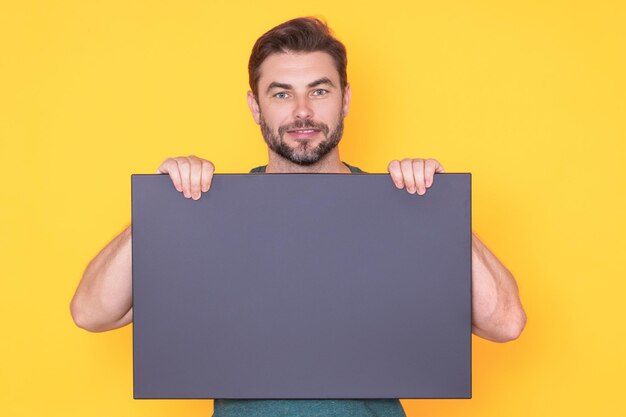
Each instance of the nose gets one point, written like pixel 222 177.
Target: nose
pixel 303 110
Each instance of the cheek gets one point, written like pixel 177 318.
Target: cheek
pixel 329 113
pixel 276 116
pixel 323 107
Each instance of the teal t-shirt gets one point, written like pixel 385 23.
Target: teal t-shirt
pixel 308 408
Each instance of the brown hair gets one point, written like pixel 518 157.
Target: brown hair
pixel 304 34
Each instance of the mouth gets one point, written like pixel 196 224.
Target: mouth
pixel 303 133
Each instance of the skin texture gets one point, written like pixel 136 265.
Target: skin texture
pixel 298 92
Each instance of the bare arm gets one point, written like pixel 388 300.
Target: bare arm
pixel 497 312
pixel 103 299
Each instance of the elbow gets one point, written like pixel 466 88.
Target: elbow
pixel 81 317
pixel 514 326
pixel 88 319
pixel 78 315
pixel 504 330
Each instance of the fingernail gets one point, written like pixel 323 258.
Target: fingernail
pixel 196 195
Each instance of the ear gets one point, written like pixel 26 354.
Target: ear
pixel 254 107
pixel 347 95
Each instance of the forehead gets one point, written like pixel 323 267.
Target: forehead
pixel 297 68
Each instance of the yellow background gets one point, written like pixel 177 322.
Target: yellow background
pixel 528 96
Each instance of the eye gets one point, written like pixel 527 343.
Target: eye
pixel 320 92
pixel 281 95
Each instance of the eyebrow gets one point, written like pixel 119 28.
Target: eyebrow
pixel 323 80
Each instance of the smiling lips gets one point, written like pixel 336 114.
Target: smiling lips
pixel 303 133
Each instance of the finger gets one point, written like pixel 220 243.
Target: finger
pixel 418 174
pixel 170 167
pixel 432 166
pixel 207 175
pixel 396 173
pixel 162 169
pixel 195 176
pixel 407 173
pixel 185 176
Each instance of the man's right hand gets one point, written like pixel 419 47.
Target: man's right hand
pixel 190 175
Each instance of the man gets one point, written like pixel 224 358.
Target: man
pixel 299 96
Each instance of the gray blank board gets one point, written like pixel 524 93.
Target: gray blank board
pixel 301 286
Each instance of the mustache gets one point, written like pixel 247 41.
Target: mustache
pixel 304 124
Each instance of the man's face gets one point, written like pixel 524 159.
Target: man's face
pixel 300 105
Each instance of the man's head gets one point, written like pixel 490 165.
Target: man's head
pixel 299 89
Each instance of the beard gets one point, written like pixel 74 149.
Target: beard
pixel 302 154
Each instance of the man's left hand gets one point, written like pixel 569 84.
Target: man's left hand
pixel 414 174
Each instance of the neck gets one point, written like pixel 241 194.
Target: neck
pixel 329 164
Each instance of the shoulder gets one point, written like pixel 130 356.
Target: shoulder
pixel 353 168
pixel 258 169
